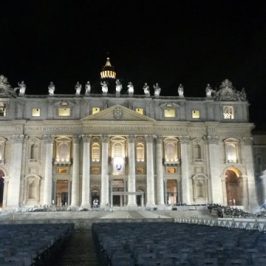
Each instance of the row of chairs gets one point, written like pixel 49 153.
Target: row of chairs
pixel 165 244
pixel 241 223
pixel 31 244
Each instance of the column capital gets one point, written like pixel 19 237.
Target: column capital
pixel 48 138
pixel 104 138
pixel 247 140
pixel 159 139
pixel 131 138
pixel 85 138
pixel 149 138
pixel 17 138
pixel 184 139
pixel 75 139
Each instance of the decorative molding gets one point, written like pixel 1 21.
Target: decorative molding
pixel 118 113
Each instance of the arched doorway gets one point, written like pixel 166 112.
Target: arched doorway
pixel 2 175
pixel 234 187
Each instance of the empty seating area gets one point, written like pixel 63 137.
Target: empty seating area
pixel 170 244
pixel 31 244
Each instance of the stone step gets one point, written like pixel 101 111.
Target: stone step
pixel 78 251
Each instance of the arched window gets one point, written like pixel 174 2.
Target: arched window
pixel 171 151
pixel 231 151
pixel 95 152
pixel 63 150
pixel 228 112
pixel 34 152
pixel 197 151
pixel 118 155
pixel 140 152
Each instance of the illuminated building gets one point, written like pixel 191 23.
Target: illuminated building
pixel 123 149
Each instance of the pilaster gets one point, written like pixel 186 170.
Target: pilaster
pixel 104 201
pixel 15 171
pixel 159 165
pixel 75 173
pixel 48 170
pixel 132 171
pixel 85 200
pixel 185 173
pixel 150 171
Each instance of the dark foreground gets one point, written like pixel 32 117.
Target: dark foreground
pixel 130 243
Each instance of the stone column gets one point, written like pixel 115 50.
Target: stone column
pixel 159 164
pixel 250 201
pixel 104 202
pixel 48 170
pixel 85 200
pixel 150 198
pixel 214 154
pixel 132 171
pixel 185 173
pixel 75 173
pixel 15 171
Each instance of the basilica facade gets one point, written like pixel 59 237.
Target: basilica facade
pixel 123 149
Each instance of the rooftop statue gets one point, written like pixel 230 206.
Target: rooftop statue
pixel 146 89
pixel 180 90
pixel 104 87
pixel 118 86
pixel 130 89
pixel 78 88
pixel 51 88
pixel 209 91
pixel 5 88
pixel 87 88
pixel 157 90
pixel 228 93
pixel 22 88
pixel 243 95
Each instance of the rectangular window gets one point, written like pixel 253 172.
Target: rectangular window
pixel 95 110
pixel 64 111
pixel 35 112
pixel 140 111
pixel 195 114
pixel 169 112
pixel 2 109
pixel 228 112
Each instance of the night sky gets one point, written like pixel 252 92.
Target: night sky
pixel 170 42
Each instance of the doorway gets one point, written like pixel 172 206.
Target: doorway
pixel 62 193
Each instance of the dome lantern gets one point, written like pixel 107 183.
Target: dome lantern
pixel 108 71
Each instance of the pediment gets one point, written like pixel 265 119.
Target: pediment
pixel 118 113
